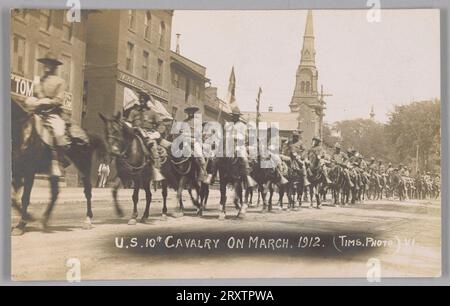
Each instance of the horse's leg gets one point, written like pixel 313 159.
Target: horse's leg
pixel 300 194
pixel 281 193
pixel 135 197
pixel 19 229
pixel 311 195
pixel 194 200
pixel 242 208
pixel 115 184
pixel 206 196
pixel 148 199
pixel 164 191
pixel 87 224
pixel 318 196
pixel 259 196
pixel 223 200
pixel 180 188
pixel 268 205
pixel 54 189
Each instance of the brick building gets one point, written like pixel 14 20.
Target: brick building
pixel 125 49
pixel 34 32
pixel 190 86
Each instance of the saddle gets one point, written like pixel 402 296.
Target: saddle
pixel 74 133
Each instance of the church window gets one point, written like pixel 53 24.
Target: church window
pixel 302 86
pixel 307 87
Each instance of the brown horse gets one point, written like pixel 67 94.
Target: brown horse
pixel 133 165
pixel 231 172
pixel 30 156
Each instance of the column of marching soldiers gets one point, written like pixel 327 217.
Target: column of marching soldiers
pixel 44 140
pixel 362 179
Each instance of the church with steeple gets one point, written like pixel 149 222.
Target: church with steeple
pixel 307 104
pixel 306 99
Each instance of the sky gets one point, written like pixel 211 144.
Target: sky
pixel 361 63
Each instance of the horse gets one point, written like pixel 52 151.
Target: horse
pixel 130 158
pixel 31 156
pixel 231 172
pixel 265 179
pixel 291 170
pixel 183 173
pixel 398 185
pixel 317 179
pixel 337 176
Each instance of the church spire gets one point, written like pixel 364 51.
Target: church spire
pixel 308 50
pixel 309 32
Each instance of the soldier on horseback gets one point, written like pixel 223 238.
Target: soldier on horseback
pixel 197 147
pixel 339 158
pixel 296 150
pixel 47 101
pixel 235 118
pixel 373 168
pixel 146 121
pixel 315 154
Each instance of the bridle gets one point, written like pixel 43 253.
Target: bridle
pixel 121 155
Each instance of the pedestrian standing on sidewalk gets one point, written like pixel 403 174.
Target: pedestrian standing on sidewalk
pixel 103 173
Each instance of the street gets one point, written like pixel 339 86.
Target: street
pixel 404 238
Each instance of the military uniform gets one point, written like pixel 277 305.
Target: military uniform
pixel 339 158
pixel 315 154
pixel 50 92
pixel 146 121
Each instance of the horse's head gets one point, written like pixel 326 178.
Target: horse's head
pixel 116 133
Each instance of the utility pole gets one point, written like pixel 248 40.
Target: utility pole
pixel 321 110
pixel 258 115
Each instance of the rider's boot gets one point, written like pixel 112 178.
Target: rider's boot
pixel 156 172
pixel 350 183
pixel 203 175
pixel 306 181
pixel 55 169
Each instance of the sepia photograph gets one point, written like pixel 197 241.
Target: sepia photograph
pixel 225 144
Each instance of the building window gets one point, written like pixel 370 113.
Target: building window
pixel 162 34
pixel 41 52
pixel 302 87
pixel 196 91
pixel 148 25
pixel 18 55
pixel 66 71
pixel 67 29
pixel 131 19
pixel 130 57
pixel 176 80
pixel 307 87
pixel 174 112
pixel 146 56
pixel 159 75
pixel 45 20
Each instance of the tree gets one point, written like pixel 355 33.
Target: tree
pixel 415 128
pixel 366 136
